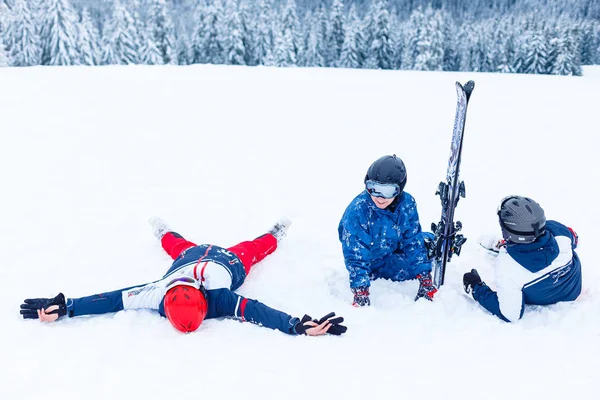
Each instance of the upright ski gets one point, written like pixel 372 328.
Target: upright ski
pixel 446 240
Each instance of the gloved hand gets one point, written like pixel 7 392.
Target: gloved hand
pixel 336 328
pixel 426 288
pixel 470 280
pixel 51 309
pixel 327 324
pixel 361 296
pixel 492 243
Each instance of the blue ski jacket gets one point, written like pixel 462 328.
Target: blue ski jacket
pixel 384 243
pixel 544 272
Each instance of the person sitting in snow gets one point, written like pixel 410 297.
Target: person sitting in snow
pixel 536 264
pixel 199 285
pixel 381 235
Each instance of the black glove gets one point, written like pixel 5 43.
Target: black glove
pixel 300 328
pixel 426 288
pixel 335 329
pixel 361 296
pixel 31 306
pixel 470 280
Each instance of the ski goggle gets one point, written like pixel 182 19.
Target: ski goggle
pixel 183 280
pixel 384 190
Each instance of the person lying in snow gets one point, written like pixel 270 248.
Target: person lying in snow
pixel 536 261
pixel 381 235
pixel 199 285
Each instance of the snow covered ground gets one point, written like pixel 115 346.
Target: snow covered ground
pixel 89 154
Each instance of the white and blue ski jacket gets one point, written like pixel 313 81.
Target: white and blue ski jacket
pixel 544 272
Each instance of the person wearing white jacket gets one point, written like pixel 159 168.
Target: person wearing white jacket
pixel 537 263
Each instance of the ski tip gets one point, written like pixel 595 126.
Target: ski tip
pixel 468 88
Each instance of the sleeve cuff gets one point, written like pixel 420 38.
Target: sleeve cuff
pixel 478 289
pixel 294 322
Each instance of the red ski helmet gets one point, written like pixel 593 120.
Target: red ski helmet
pixel 185 304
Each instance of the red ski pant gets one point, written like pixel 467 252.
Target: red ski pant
pixel 249 252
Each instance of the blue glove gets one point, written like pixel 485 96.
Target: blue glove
pixel 29 309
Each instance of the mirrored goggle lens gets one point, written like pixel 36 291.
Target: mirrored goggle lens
pixel 183 280
pixel 385 190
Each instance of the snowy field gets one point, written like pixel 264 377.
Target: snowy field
pixel 89 154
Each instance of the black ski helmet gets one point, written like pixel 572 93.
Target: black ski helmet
pixel 388 169
pixel 522 220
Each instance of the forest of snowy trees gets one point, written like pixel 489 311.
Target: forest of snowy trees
pixel 529 36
